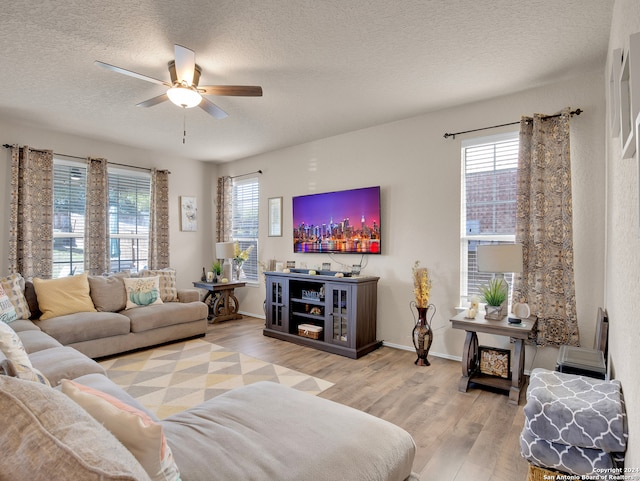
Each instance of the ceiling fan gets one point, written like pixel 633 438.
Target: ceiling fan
pixel 184 90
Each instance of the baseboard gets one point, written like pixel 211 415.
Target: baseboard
pixel 411 349
pixel 252 314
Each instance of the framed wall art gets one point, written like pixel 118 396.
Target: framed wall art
pixel 188 214
pixel 629 88
pixel 275 216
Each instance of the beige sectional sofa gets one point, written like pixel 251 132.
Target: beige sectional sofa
pixel 110 328
pixel 83 426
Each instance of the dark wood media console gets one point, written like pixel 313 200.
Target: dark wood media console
pixel 344 307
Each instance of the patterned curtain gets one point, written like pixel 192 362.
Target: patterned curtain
pixel 159 220
pixel 31 212
pixel 224 209
pixel 545 229
pixel 96 234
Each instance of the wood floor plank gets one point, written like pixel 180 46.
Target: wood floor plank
pixel 458 436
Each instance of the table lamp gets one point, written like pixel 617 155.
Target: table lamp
pixel 500 258
pixel 226 251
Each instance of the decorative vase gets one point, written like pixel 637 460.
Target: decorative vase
pixel 237 268
pixel 423 335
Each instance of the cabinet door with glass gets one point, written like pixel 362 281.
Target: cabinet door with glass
pixel 277 304
pixel 339 304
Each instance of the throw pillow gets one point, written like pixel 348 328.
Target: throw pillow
pixel 13 286
pixel 62 296
pixel 168 288
pixel 107 292
pixel 142 291
pixel 133 428
pixel 11 346
pixel 7 311
pixel 45 435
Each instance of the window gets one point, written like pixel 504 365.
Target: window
pixel 69 187
pixel 129 197
pixel 244 227
pixel 489 175
pixel 129 204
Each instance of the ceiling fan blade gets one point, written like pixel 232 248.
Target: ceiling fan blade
pixel 153 101
pixel 231 90
pixel 131 74
pixel 212 109
pixel 185 64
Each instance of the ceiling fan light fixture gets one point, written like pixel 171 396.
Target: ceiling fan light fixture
pixel 184 96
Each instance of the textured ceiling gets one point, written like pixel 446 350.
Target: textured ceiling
pixel 326 66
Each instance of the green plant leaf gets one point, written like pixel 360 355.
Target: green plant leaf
pixel 495 293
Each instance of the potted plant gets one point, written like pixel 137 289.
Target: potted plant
pixel 495 295
pixel 216 268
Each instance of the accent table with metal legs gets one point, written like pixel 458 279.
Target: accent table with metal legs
pixel 223 304
pixel 470 354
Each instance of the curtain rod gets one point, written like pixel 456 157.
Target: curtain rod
pixel 447 135
pixel 248 173
pixel 7 146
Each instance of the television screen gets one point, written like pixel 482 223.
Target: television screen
pixel 343 222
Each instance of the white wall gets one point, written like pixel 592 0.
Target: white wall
pixel 419 174
pixel 188 177
pixel 623 245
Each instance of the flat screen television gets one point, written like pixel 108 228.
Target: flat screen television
pixel 342 222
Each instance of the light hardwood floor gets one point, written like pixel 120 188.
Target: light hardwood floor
pixel 459 436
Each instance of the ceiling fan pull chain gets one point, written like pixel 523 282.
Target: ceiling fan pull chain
pixel 184 127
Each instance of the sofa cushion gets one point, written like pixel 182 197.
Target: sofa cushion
pixel 85 326
pixel 14 286
pixel 66 295
pixel 7 311
pixel 24 325
pixel 142 292
pixel 168 314
pixel 45 435
pixel 13 349
pixel 168 288
pixel 58 363
pixel 34 341
pixel 188 295
pixel 107 292
pixel 138 432
pixel 297 436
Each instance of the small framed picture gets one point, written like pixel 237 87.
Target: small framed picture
pixel 188 214
pixel 275 217
pixel 495 362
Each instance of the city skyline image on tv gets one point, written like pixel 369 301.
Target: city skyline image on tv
pixel 346 221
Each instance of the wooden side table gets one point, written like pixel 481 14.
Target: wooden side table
pixel 470 354
pixel 223 304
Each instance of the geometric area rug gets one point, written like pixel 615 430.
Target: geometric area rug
pixel 171 378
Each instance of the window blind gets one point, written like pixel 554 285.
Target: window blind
pixel 69 189
pixel 244 219
pixel 129 204
pixel 489 183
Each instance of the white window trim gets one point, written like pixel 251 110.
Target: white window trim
pixel 464 239
pixel 256 281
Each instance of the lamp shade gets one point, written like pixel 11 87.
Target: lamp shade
pixel 500 258
pixel 225 250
